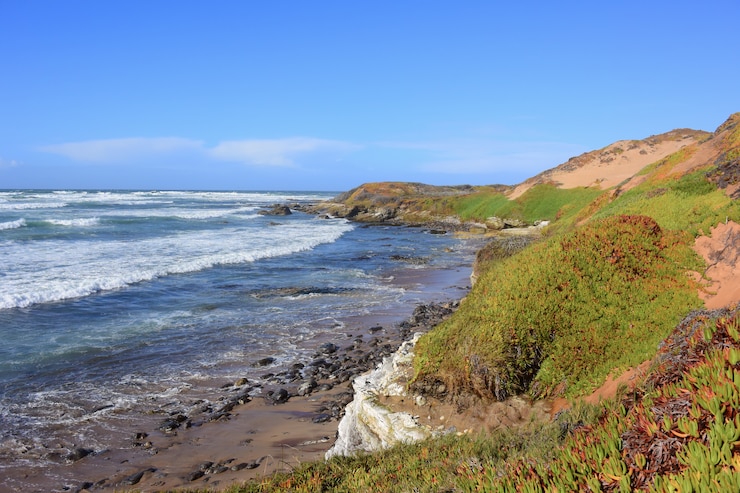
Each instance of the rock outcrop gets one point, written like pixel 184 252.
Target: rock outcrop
pixel 276 210
pixel 368 425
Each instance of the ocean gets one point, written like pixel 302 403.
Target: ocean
pixel 114 304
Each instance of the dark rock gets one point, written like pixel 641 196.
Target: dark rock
pixel 428 316
pixel 195 475
pixel 410 260
pixel 169 425
pixel 139 439
pixel 337 410
pixel 345 398
pixel 328 348
pixel 101 408
pixel 135 478
pixel 276 210
pixel 307 387
pixel 218 416
pixel 277 397
pixel 265 361
pixel 78 453
pixel 320 363
pixel 343 376
pixel 514 223
pixel 354 212
pixel 321 418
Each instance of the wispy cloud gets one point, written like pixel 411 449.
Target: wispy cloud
pixel 8 163
pixel 276 152
pixel 259 152
pixel 479 157
pixel 118 150
pixel 486 156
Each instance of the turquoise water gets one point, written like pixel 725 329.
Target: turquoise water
pixel 114 303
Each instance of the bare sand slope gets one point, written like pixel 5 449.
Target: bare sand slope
pixel 721 251
pixel 612 165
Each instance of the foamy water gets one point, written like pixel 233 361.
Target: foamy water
pixel 115 303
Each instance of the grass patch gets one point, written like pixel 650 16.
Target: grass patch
pixel 481 205
pixel 541 202
pixel 690 203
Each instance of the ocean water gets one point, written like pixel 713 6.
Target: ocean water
pixel 116 303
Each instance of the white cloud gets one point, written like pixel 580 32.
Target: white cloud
pixel 117 150
pixel 262 152
pixel 8 163
pixel 275 152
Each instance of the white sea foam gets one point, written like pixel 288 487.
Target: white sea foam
pixel 58 270
pixel 80 222
pixel 165 197
pixel 13 224
pixel 183 213
pixel 20 206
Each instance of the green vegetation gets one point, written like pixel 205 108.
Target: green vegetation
pixel 541 202
pixel 679 433
pixel 564 312
pixel 689 203
pixel 480 205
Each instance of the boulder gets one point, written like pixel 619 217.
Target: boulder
pixel 494 222
pixel 276 210
pixel 280 396
pixel 514 223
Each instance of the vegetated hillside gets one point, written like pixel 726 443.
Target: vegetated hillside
pixel 554 194
pixel 559 316
pixel 608 286
pixel 563 313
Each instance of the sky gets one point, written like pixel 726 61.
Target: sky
pixel 327 95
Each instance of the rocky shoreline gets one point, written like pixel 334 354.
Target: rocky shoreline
pixel 286 415
pixel 314 393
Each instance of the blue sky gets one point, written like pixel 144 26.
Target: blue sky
pixel 326 95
